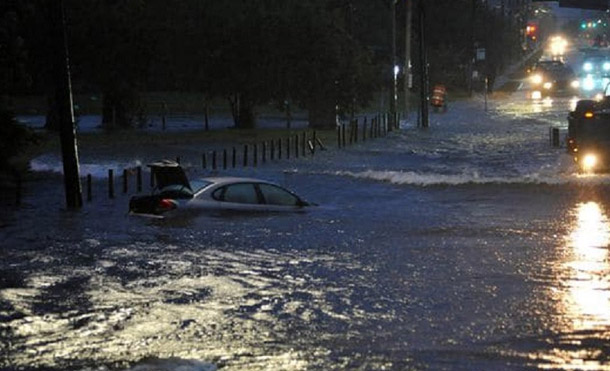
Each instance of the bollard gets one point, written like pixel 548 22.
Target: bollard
pixel 338 136
pixel 255 155
pixel 272 150
pixel 364 130
pixel 245 155
pixel 314 140
pixel 356 131
pixel 288 148
pixel 296 146
pixel 224 159
pixel 110 183
pixel 555 137
pixel 89 191
pixel 343 141
pixel 18 188
pixel 214 160
pixel 264 154
pixel 139 179
pixel 204 161
pixel 304 144
pixel 125 180
pixel 279 149
pixel 234 159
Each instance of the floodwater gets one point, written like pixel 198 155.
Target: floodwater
pixel 472 245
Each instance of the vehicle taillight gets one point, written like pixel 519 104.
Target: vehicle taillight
pixel 166 204
pixel 588 114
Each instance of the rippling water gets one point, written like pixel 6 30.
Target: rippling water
pixel 472 245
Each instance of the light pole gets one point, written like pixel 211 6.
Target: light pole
pixel 407 68
pixel 394 90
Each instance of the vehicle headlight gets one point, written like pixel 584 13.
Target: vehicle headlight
pixel 537 79
pixel 536 95
pixel 589 162
pixel 588 66
pixel 606 66
pixel 575 84
pixel 588 83
pixel 547 85
pixel 598 97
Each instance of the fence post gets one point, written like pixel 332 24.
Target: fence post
pixel 245 155
pixel 279 148
pixel 313 140
pixel 555 137
pixel 364 130
pixel 139 179
pixel 224 159
pixel 125 181
pixel 272 149
pixel 89 192
pixel 204 161
pixel 110 183
pixel 338 136
pixel 255 155
pixel 264 150
pixel 343 141
pixel 234 159
pixel 304 143
pixel 288 148
pixel 18 184
pixel 214 160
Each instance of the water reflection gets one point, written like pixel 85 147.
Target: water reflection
pixel 589 290
pixel 586 295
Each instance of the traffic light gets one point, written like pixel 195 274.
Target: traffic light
pixel 531 31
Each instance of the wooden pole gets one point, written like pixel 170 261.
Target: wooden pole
pixel 125 181
pixel 245 155
pixel 139 179
pixel 111 183
pixel 89 190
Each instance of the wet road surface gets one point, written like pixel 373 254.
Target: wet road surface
pixel 472 245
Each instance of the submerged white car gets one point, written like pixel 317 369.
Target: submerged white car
pixel 175 194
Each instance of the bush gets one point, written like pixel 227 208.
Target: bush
pixel 14 140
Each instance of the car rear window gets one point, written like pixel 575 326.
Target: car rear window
pixel 198 185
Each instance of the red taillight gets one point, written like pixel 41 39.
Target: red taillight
pixel 588 115
pixel 167 204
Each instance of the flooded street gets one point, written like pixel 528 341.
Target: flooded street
pixel 472 245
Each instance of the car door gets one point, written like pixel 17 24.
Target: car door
pixel 276 198
pixel 240 196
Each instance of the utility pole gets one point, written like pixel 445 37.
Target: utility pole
pixel 394 89
pixel 407 69
pixel 472 47
pixel 423 57
pixel 64 106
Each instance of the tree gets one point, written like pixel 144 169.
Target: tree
pixel 111 50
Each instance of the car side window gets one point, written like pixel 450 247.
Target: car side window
pixel 217 194
pixel 243 193
pixel 274 195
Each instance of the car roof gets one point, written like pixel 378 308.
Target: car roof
pixel 222 180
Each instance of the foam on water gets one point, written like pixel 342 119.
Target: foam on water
pixel 435 179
